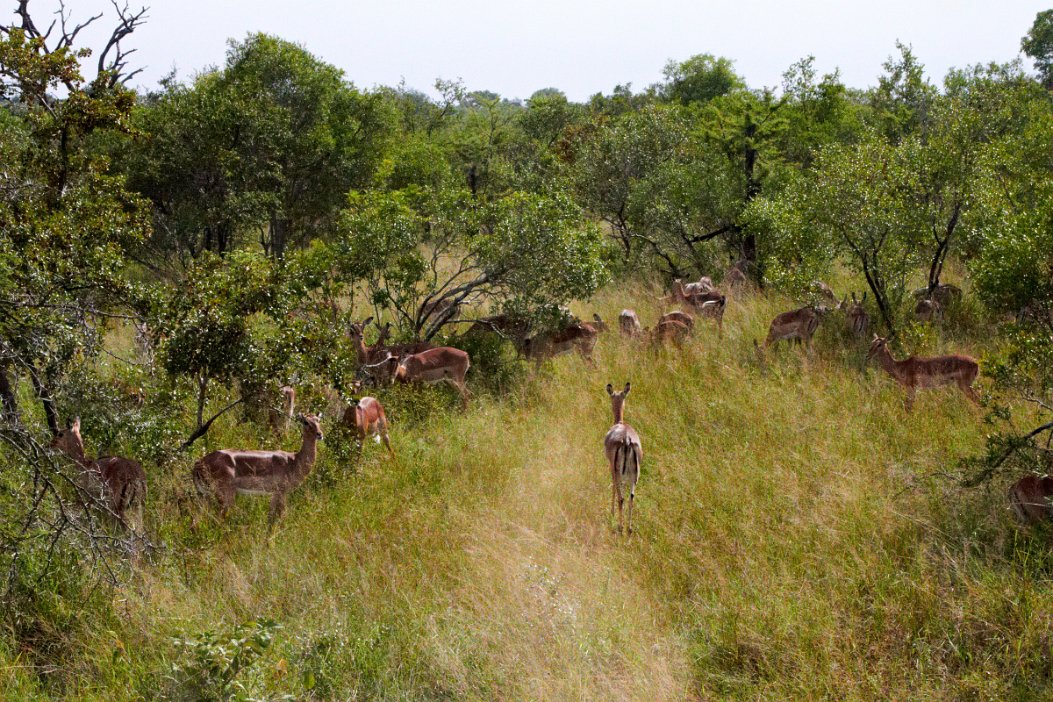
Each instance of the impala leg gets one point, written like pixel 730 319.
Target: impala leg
pixel 387 440
pixel 970 392
pixel 632 497
pixel 277 509
pixel 910 398
pixel 225 498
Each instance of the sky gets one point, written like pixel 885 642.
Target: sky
pixel 579 47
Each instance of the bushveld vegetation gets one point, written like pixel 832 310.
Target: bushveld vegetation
pixel 187 269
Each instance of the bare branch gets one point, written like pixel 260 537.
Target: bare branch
pixel 114 67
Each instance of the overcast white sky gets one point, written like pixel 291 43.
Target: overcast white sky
pixel 580 47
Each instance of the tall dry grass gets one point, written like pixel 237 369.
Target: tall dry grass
pixel 798 536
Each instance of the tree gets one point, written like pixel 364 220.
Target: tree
pixel 903 96
pixel 699 79
pixel 615 159
pixel 855 199
pixel 423 254
pixel 1038 44
pixel 269 145
pixel 65 223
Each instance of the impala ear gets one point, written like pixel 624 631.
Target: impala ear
pixel 300 418
pixel 628 386
pixel 368 320
pixel 610 389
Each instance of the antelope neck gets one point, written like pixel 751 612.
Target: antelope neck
pixel 618 407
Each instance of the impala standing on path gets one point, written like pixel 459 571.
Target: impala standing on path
pixel 623 449
pixel 123 480
pixel 229 472
pixel 913 373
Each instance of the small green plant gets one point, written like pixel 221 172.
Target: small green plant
pixel 218 665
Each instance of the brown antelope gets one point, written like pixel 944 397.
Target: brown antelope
pixel 624 453
pixel 678 316
pixel 576 336
pixel 1030 498
pixel 123 480
pixel 735 278
pixel 230 472
pixel 438 365
pixel 858 319
pixel 366 416
pixel 629 323
pixel 598 323
pixel 928 311
pixel 798 325
pixel 943 294
pixel 913 373
pixel 374 359
pixel 514 328
pixel 711 305
pixel 669 330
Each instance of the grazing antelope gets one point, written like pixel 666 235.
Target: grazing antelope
pixel 943 294
pixel 798 325
pixel 669 330
pixel 577 336
pixel 624 452
pixel 678 316
pixel 598 323
pixel 443 364
pixel 230 472
pixel 366 416
pixel 711 305
pixel 512 328
pixel 123 480
pixel 928 311
pixel 1030 498
pixel 858 319
pixel 629 323
pixel 913 373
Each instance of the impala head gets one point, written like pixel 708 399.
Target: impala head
pixel 400 366
pixel 312 425
pixel 618 400
pixel 878 345
pixel 358 329
pixel 68 440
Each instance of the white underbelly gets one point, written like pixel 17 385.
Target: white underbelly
pixel 254 493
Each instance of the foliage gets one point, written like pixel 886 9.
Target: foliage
pixel 699 79
pixel 423 253
pixel 219 662
pixel 1038 44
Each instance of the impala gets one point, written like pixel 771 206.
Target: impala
pixel 513 328
pixel 629 323
pixel 374 360
pixel 825 292
pixel 711 305
pixel 798 325
pixel 576 336
pixel 735 278
pixel 858 319
pixel 366 416
pixel 928 311
pixel 943 294
pixel 913 373
pixel 230 472
pixel 438 365
pixel 1030 498
pixel 123 480
pixel 670 330
pixel 624 452
pixel 678 316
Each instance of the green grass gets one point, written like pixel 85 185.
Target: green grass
pixel 797 536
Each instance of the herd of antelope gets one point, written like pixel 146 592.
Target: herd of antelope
pixel 226 473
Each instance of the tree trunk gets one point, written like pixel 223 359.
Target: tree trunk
pixel 280 229
pixel 48 403
pixel 7 393
pixel 202 389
